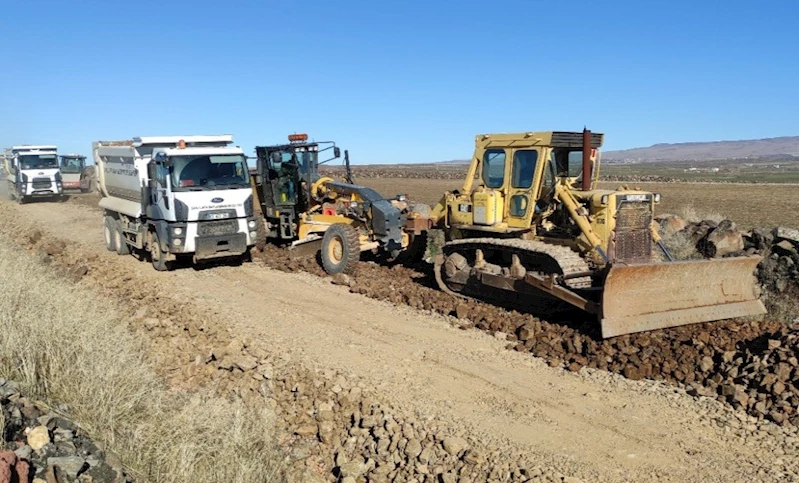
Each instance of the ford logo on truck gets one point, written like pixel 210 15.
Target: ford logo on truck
pixel 217 200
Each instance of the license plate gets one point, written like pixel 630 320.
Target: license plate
pixel 636 197
pixel 219 216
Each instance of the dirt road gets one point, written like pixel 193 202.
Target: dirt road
pixel 597 426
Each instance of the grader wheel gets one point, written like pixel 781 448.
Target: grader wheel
pixel 341 249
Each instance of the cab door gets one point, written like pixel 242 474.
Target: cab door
pixel 522 186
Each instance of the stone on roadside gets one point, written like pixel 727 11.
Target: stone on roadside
pixel 38 437
pixel 782 233
pixel 454 445
pixel 724 240
pixel 670 224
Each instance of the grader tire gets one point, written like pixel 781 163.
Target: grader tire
pixel 341 249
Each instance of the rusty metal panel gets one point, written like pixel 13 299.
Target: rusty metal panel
pixel 643 297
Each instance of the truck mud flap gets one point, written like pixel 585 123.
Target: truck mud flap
pixel 637 298
pixel 207 247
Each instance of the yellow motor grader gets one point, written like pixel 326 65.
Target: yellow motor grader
pixel 316 214
pixel 531 219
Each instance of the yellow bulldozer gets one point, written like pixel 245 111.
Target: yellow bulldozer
pixel 530 218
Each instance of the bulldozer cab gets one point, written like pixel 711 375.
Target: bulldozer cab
pixel 516 175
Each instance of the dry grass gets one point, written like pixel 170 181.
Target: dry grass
pixel 692 214
pixel 66 351
pixel 681 246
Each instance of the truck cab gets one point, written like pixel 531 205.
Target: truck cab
pixel 33 172
pixel 177 196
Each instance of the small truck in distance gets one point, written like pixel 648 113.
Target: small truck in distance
pixel 176 197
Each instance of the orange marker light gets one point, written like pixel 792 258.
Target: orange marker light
pixel 295 138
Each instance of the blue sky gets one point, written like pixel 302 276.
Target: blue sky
pixel 394 82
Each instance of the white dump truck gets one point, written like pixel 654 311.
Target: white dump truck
pixel 32 172
pixel 176 197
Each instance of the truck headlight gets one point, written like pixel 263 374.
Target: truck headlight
pixel 604 200
pixel 177 242
pixel 656 197
pixel 251 224
pixel 177 231
pixel 253 235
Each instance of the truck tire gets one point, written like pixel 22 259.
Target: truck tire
pixel 109 227
pixel 119 240
pixel 157 257
pixel 341 249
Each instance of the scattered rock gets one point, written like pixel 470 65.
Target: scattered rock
pixel 724 240
pixel 38 437
pixel 454 445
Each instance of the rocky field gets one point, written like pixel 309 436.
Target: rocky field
pixel 39 445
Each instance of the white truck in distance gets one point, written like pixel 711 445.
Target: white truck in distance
pixel 33 172
pixel 176 196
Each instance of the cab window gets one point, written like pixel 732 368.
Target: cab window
pixel 524 163
pixel 494 168
pixel 568 163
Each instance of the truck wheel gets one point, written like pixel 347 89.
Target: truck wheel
pixel 158 257
pixel 119 240
pixel 341 249
pixel 109 228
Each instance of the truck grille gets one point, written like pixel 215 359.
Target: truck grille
pixel 40 183
pixel 633 235
pixel 214 228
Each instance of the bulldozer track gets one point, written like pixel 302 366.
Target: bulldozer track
pixel 569 261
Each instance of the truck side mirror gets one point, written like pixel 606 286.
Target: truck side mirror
pixel 151 173
pixel 336 152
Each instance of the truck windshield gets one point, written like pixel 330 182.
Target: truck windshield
pixel 72 165
pixel 209 172
pixel 38 161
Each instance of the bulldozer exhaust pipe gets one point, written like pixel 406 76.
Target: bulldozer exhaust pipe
pixel 587 175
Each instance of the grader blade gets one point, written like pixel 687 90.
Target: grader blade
pixel 637 298
pixel 307 247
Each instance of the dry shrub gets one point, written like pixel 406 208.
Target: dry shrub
pixel 690 214
pixel 67 350
pixel 680 245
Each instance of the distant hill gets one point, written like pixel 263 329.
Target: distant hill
pixel 777 148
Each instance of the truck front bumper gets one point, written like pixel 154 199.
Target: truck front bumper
pixel 208 247
pixel 54 189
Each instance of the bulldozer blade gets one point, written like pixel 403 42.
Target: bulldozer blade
pixel 305 248
pixel 637 298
